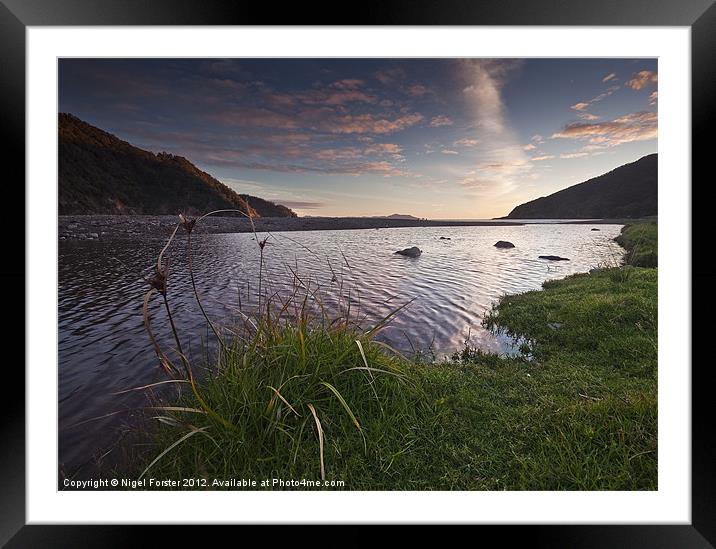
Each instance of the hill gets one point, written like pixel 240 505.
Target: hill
pixel 396 216
pixel 101 174
pixel 628 191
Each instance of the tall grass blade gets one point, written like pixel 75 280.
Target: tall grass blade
pixel 167 450
pixel 320 439
pixel 150 385
pixel 284 400
pixel 343 403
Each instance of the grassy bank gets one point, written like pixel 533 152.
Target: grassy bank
pixel 308 400
pixel 640 241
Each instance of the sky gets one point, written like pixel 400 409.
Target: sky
pixel 437 138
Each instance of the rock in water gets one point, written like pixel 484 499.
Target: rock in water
pixel 595 229
pixel 410 252
pixel 553 258
pixel 444 238
pixel 504 244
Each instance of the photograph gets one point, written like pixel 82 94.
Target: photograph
pixel 357 273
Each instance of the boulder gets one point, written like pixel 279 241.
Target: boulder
pixel 444 238
pixel 595 229
pixel 553 258
pixel 504 244
pixel 410 252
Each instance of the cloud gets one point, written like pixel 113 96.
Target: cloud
pixel 543 157
pixel 417 90
pixel 383 148
pixel 367 123
pixel 339 92
pixel 638 126
pixel 487 78
pixel 383 168
pixel 609 77
pixel 390 76
pixel 466 142
pixel 587 116
pixel 490 175
pixel 503 162
pixel 653 98
pixel 347 84
pixel 300 204
pixel 573 155
pixel 448 151
pixel 642 79
pixel 529 147
pixel 441 120
pixel 580 106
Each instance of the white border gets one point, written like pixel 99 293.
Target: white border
pixel 670 504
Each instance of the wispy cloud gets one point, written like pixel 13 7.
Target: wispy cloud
pixel 503 159
pixel 582 105
pixel 639 126
pixel 587 116
pixel 609 77
pixel 301 204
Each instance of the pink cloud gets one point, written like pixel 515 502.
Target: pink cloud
pixel 580 106
pixel 368 123
pixel 383 148
pixel 643 79
pixel 639 126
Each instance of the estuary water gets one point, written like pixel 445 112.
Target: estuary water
pixel 104 348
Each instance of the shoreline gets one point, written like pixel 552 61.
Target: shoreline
pixel 111 227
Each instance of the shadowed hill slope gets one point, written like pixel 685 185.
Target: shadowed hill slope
pixel 101 174
pixel 628 191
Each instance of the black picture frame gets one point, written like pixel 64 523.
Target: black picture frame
pixel 16 15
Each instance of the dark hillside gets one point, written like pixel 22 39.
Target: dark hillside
pixel 628 191
pixel 101 174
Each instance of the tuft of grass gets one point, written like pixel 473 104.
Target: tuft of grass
pixel 304 397
pixel 641 243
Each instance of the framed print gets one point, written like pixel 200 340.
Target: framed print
pixel 431 267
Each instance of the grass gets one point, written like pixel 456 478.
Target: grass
pixel 299 397
pixel 640 241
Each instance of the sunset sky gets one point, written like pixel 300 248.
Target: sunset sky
pixel 437 138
